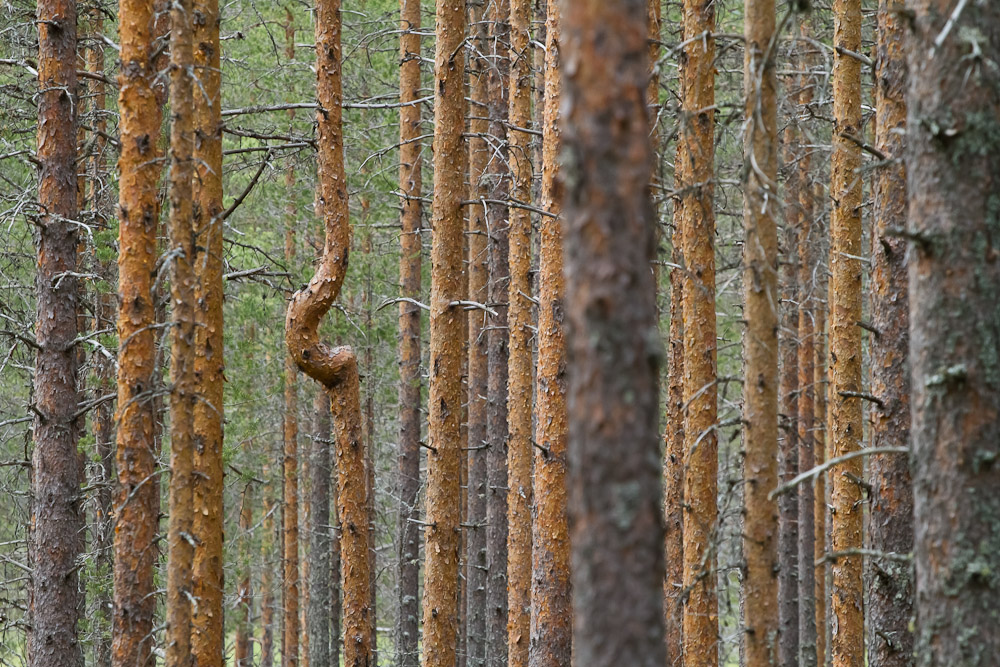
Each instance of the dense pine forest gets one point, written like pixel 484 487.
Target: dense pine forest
pixel 475 333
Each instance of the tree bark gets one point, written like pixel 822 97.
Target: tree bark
pixel 337 368
pixel 185 389
pixel 266 576
pixel 760 342
pixel 208 642
pixel 318 613
pixel 410 183
pixel 700 616
pixel 889 583
pixel 612 343
pixel 57 517
pixel 953 164
pixel 519 373
pixel 443 530
pixel 845 338
pixel 498 185
pixel 551 592
pixel 478 366
pixel 244 599
pixel 821 513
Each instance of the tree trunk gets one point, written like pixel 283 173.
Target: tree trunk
pixel 57 517
pixel 185 389
pixel 700 619
pixel 266 576
pixel 953 166
pixel 207 642
pixel 498 186
pixel 612 343
pixel 760 342
pixel 410 163
pixel 478 367
pixel 551 593
pixel 519 451
pixel 801 201
pixel 318 616
pixel 845 338
pixel 443 532
pixel 137 500
pixel 821 514
pixel 890 583
pixel 244 600
pixel 788 391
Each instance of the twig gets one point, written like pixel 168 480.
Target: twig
pixel 820 469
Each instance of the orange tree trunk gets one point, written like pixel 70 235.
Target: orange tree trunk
pixel 801 202
pixel 408 474
pixel 700 617
pixel 519 384
pixel 185 390
pixel 551 602
pixel 318 611
pixel 478 366
pixel 442 533
pixel 57 517
pixel 137 503
pixel 953 175
pixel 498 186
pixel 207 641
pixel 612 344
pixel 244 601
pixel 337 368
pixel 890 583
pixel 845 338
pixel 760 342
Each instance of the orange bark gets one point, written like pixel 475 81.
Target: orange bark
pixel 760 387
pixel 845 338
pixel 519 375
pixel 551 602
pixel 442 534
pixel 207 641
pixel 137 503
pixel 337 368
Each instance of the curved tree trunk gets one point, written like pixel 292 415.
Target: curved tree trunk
pixel 953 165
pixel 337 368
pixel 551 601
pixel 137 501
pixel 614 482
pixel 701 632
pixel 760 342
pixel 890 584
pixel 519 385
pixel 185 389
pixel 845 338
pixel 410 164
pixel 208 641
pixel 442 534
pixel 57 517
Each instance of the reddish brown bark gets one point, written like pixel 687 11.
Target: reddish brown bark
pixel 760 349
pixel 889 583
pixel 700 616
pixel 337 368
pixel 612 344
pixel 185 389
pixel 207 641
pixel 519 371
pixel 847 618
pixel 953 163
pixel 408 474
pixel 56 516
pixel 478 366
pixel 551 601
pixel 443 532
